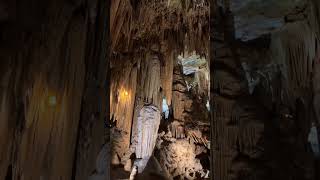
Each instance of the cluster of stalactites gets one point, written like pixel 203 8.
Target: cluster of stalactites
pixel 180 22
pixel 294 48
pixel 314 16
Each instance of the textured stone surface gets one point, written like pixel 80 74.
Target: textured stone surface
pixel 262 117
pixel 261 103
pixel 178 22
pixel 178 157
pixel 122 98
pixel 49 56
pixel 148 36
pixel 253 18
pixel 147 127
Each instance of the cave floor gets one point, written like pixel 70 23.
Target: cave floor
pixel 152 171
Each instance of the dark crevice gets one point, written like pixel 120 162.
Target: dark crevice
pixel 9 173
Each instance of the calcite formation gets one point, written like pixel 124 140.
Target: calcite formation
pixel 264 107
pixel 53 90
pixel 59 67
pixel 184 147
pixel 178 156
pixel 147 38
pixel 146 135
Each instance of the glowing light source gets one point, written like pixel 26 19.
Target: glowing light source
pixel 124 94
pixel 52 101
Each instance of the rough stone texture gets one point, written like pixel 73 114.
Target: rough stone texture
pixel 148 36
pixel 261 112
pixel 150 80
pixel 185 136
pixel 143 86
pixel 181 102
pixel 167 76
pixel 102 161
pixel 148 90
pixel 122 98
pixel 45 65
pixel 254 18
pixel 316 86
pixel 142 23
pixel 189 101
pixel 147 127
pixel 178 157
pixel 93 136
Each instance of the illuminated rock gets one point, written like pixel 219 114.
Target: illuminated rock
pixel 147 131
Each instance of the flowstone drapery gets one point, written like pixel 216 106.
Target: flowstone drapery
pixel 146 135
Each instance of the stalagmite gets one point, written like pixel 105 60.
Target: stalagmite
pixel 146 136
pixel 147 38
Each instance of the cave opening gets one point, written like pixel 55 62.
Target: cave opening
pixel 161 59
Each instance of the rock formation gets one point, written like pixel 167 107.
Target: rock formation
pixel 147 129
pixel 147 38
pixel 261 89
pixel 53 92
pixel 240 79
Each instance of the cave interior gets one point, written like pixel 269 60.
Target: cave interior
pixel 159 89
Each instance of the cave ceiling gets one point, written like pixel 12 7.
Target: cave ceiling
pixel 253 18
pixel 135 25
pixel 159 25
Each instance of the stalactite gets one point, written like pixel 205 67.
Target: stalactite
pixel 167 76
pixel 43 75
pixel 294 47
pixel 150 22
pixel 151 35
pixel 122 99
pixel 245 131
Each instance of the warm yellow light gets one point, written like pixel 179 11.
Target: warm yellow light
pixel 124 94
pixel 52 101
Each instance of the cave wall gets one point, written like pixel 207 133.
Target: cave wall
pixel 54 60
pixel 261 94
pixel 147 37
pixel 122 99
pixel 49 51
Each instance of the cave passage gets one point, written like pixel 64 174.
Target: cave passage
pixel 159 94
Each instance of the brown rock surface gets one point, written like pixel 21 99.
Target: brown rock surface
pixel 51 62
